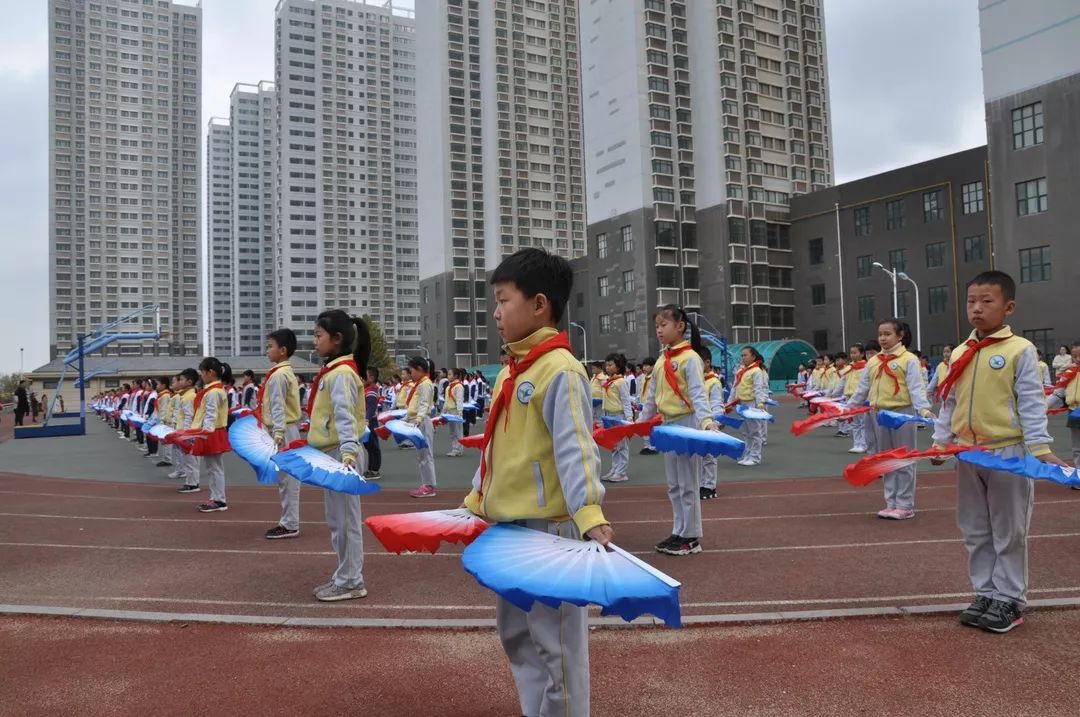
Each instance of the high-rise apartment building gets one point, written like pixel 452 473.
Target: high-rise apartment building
pixel 702 119
pixel 241 171
pixel 124 178
pixel 500 158
pixel 346 227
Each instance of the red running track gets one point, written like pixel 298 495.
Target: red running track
pixel 771 549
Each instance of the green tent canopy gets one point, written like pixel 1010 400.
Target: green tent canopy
pixel 782 359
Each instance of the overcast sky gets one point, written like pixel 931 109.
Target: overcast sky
pixel 904 76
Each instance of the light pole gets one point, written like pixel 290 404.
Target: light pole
pixel 424 349
pixel 21 362
pixel 584 340
pixel 918 316
pixel 892 275
pixel 840 273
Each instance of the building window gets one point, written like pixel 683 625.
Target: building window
pixel 627 233
pixel 740 274
pixel 1035 264
pixel 972 197
pixel 1042 338
pixel 817 251
pixel 1031 197
pixel 939 298
pixel 935 255
pixel 821 339
pixel 864 266
pixel 975 248
pixel 628 282
pixel 630 319
pixel 898 259
pixel 867 309
pixel 817 295
pixel 902 304
pixel 931 206
pixel 602 285
pixel 862 221
pixel 1027 125
pixel 605 324
pixel 894 214
pixel 601 246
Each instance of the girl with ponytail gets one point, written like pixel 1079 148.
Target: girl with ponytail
pixel 212 415
pixel 894 380
pixel 678 395
pixel 419 401
pixel 337 413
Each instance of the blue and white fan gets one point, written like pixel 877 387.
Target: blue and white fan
pixel 452 418
pixel 1029 466
pixel 729 421
pixel 149 424
pixel 756 414
pixel 526 566
pixel 312 466
pixel 160 431
pixel 470 406
pixel 893 420
pixel 403 431
pixel 771 402
pixel 612 421
pixel 391 415
pixel 250 441
pixel 691 441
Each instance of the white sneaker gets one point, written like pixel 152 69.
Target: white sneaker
pixel 856 450
pixel 174 475
pixel 618 478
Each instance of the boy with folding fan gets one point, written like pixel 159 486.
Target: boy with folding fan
pixel 277 406
pixel 540 468
pixel 992 398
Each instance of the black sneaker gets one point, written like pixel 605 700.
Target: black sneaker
pixel 708 493
pixel 974 612
pixel 660 547
pixel 372 475
pixel 163 464
pixel 1001 616
pixel 682 546
pixel 280 531
pixel 647 452
pixel 188 489
pixel 212 506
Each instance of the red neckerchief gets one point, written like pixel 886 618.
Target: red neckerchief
pixel 884 360
pixel 739 374
pixel 669 372
pixel 318 379
pixel 165 394
pixel 607 384
pixel 200 394
pixel 262 389
pixel 958 365
pixel 1067 376
pixel 515 368
pixel 416 385
pixel 450 387
pixel 858 365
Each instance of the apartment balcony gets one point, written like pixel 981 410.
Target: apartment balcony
pixel 690 257
pixel 740 295
pixel 689 215
pixel 462 332
pixel 664 211
pixel 667 296
pixel 667 257
pixel 691 298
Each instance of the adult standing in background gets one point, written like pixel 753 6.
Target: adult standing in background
pixel 22 403
pixel 1062 361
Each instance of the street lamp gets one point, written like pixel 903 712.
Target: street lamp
pixel 424 349
pixel 918 317
pixel 584 340
pixel 892 275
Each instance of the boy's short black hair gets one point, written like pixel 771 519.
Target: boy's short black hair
pixel 286 339
pixel 840 355
pixel 373 372
pixel 872 345
pixel 648 361
pixel 996 278
pixel 534 271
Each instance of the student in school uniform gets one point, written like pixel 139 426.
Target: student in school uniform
pixel 440 389
pixel 751 388
pixel 187 463
pixel 1044 371
pixel 937 376
pixel 1066 392
pixel 1062 361
pixel 164 414
pixel 455 401
pixel 419 400
pixel 993 399
pixel 643 391
pixel 615 393
pixel 538 444
pixel 212 415
pixel 678 395
pixel 335 407
pixel 371 412
pixel 277 405
pixel 894 381
pixel 249 391
pixel 714 395
pixel 596 386
pixel 857 424
pixel 843 368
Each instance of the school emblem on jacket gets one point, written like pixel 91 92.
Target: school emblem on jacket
pixel 997 361
pixel 525 392
pixel 675 365
pixel 894 365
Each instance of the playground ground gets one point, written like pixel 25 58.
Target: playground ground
pixel 802 603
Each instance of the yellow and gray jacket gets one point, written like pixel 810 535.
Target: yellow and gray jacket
pixel 281 399
pixel 617 398
pixel 938 376
pixel 337 417
pixel 421 401
pixel 185 409
pixel 714 393
pixel 998 400
pixel 542 460
pixel 878 386
pixel 690 378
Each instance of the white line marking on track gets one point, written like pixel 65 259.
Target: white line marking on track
pixel 845 600
pixel 363 605
pixel 842 546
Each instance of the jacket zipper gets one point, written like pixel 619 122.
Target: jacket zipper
pixel 971 399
